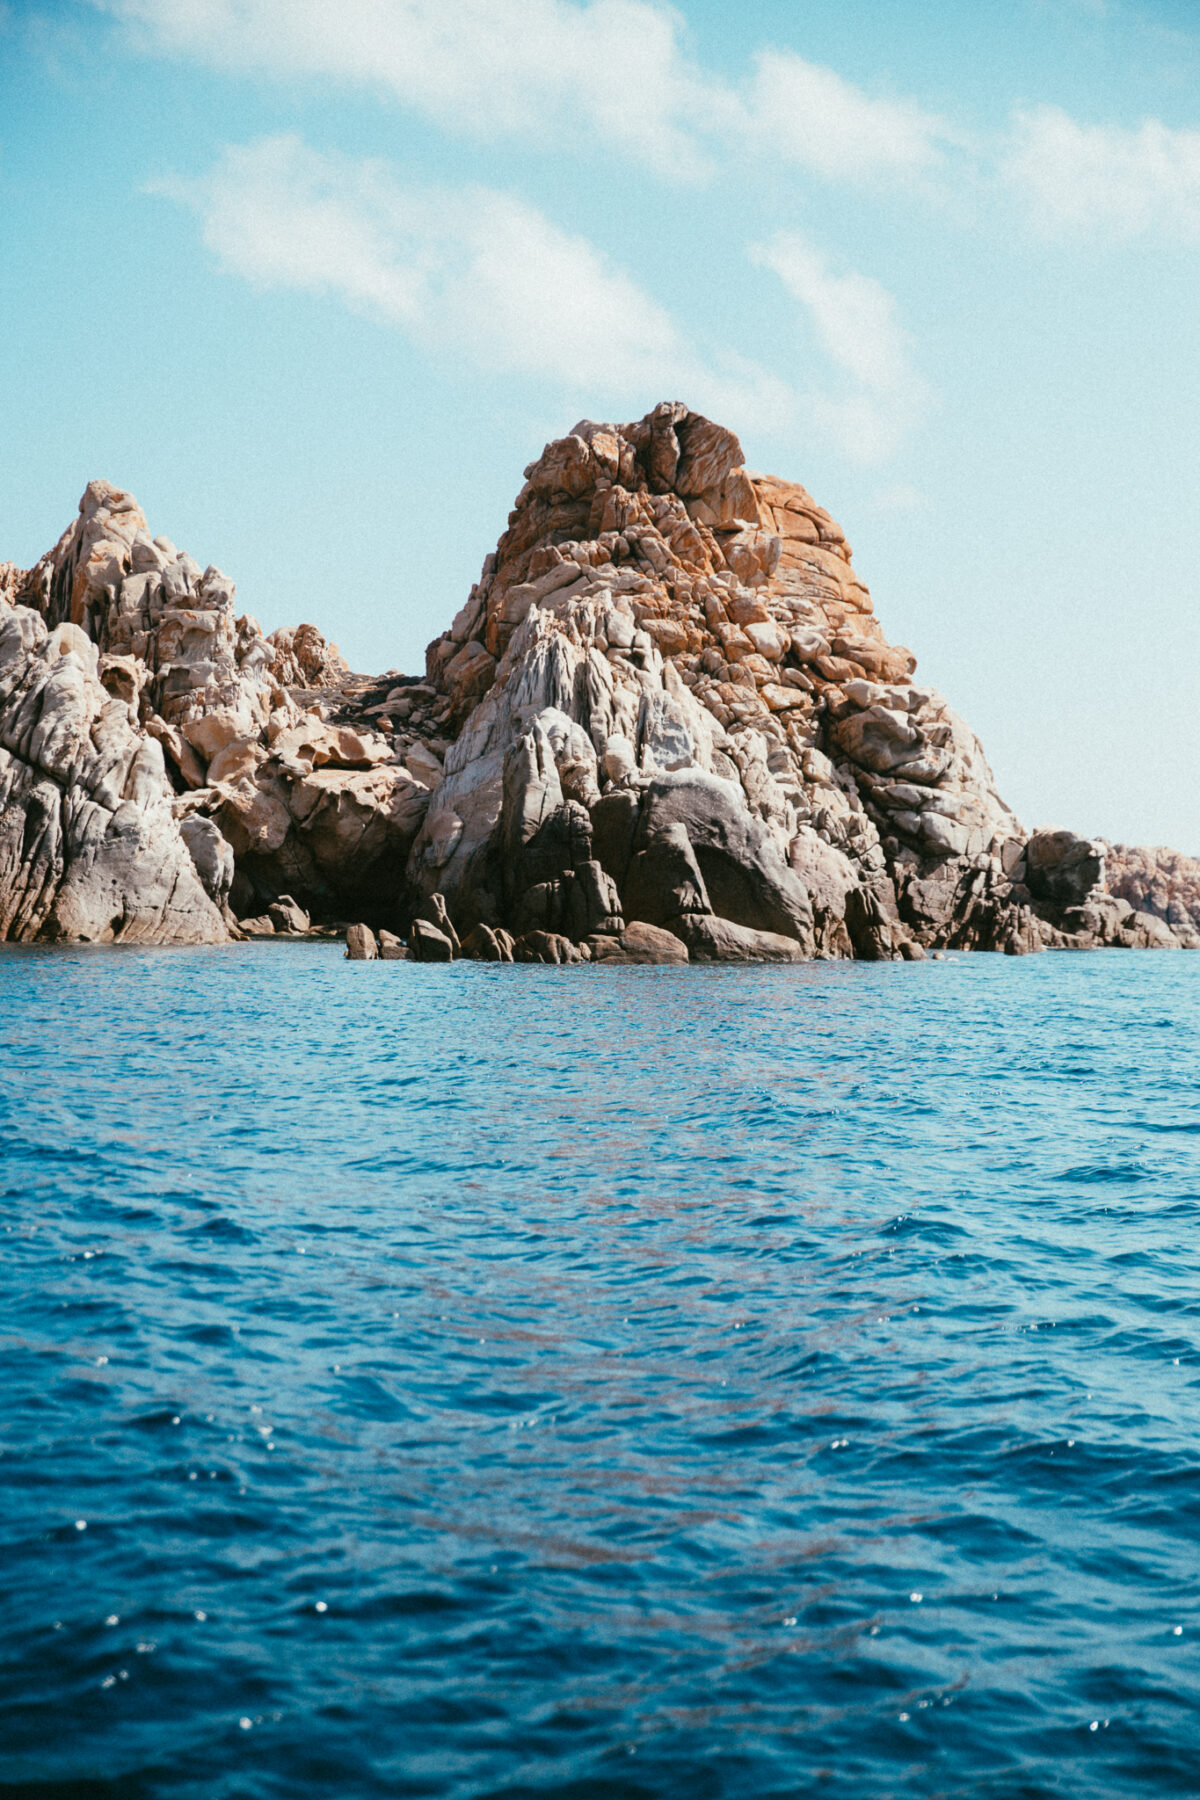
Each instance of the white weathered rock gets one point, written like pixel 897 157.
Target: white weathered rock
pixel 90 850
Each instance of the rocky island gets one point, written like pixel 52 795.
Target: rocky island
pixel 665 725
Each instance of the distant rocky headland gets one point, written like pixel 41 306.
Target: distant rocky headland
pixel 665 725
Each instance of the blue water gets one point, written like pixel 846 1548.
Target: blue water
pixel 600 1382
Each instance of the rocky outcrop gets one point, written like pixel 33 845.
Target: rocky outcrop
pixel 89 848
pixel 1159 884
pixel 261 785
pixel 665 725
pixel 689 700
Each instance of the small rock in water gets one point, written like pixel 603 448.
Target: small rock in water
pixel 286 915
pixel 427 944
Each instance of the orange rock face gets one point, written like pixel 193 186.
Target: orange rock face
pixel 675 615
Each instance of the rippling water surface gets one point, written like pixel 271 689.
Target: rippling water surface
pixel 598 1382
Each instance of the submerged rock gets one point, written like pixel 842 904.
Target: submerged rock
pixel 665 725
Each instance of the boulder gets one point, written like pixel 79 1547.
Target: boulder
pixel 427 944
pixel 664 880
pixel 482 945
pixel 640 943
pixel 286 916
pixel 432 911
pixel 211 854
pixel 873 922
pixel 1159 881
pixel 360 943
pixel 548 947
pixel 1063 868
pixel 1147 932
pixel 614 822
pixel 744 870
pixel 710 939
pixel 302 658
pixel 594 902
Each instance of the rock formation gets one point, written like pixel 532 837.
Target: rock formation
pixel 1160 884
pixel 665 725
pixel 244 785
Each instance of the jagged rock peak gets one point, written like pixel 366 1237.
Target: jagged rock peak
pixel 124 672
pixel 670 623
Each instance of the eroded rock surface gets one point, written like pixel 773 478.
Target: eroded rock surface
pixel 90 850
pixel 1159 883
pixel 665 725
pixel 167 768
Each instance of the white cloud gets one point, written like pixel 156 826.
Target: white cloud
pixel 609 74
pixel 470 272
pixel 809 115
pixel 1106 178
pixel 853 318
pixel 597 76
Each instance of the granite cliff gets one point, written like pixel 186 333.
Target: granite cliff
pixel 665 725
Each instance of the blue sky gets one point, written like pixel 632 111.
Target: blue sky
pixel 316 281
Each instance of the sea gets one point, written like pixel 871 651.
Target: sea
pixel 598 1383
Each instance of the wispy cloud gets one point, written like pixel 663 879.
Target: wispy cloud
pixel 608 75
pixel 599 76
pixel 471 272
pixel 854 320
pixel 1105 178
pixel 486 275
pixel 802 113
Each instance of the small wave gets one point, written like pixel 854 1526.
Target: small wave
pixel 1099 1173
